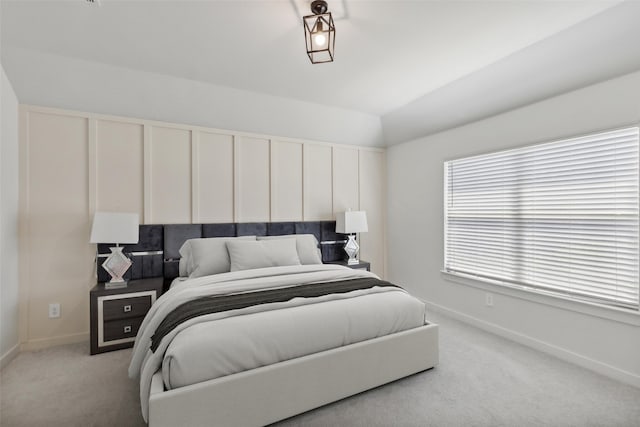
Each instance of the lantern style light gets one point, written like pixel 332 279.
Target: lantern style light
pixel 319 33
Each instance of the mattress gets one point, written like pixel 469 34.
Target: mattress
pixel 222 347
pixel 222 343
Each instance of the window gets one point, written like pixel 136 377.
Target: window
pixel 560 217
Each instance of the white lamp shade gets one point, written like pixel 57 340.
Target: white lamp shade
pixel 112 227
pixel 351 222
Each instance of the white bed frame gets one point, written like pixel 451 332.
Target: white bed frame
pixel 271 393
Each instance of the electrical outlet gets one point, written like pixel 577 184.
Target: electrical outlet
pixel 488 300
pixel 54 310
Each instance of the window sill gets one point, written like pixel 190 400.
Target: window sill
pixel 621 315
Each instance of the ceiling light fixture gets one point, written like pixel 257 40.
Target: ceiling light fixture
pixel 319 33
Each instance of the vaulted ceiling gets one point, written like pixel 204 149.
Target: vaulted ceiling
pixel 394 59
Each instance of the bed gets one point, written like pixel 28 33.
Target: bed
pixel 266 329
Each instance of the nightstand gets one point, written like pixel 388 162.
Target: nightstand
pixel 362 265
pixel 116 314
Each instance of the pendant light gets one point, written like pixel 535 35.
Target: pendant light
pixel 319 33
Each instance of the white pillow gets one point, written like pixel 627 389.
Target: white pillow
pixel 182 266
pixel 260 254
pixel 204 257
pixel 306 244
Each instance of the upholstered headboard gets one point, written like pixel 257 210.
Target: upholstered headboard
pixel 156 254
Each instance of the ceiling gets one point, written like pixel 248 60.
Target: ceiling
pixel 598 49
pixel 388 53
pixel 413 67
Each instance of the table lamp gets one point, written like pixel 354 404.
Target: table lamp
pixel 118 228
pixel 351 222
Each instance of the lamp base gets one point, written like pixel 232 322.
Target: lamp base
pixel 116 285
pixel 116 265
pixel 352 248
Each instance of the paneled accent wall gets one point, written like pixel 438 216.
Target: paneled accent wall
pixel 286 181
pixel 119 144
pixel 57 260
pixel 169 176
pixel 252 172
pixel 212 167
pixel 74 163
pixel 372 180
pixel 346 188
pixel 317 182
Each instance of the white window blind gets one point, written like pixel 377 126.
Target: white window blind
pixel 560 217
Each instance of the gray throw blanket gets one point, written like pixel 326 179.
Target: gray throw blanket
pixel 218 303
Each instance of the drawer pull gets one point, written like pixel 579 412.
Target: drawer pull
pixel 127 308
pixel 127 329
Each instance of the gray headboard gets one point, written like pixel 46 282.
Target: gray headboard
pixel 156 253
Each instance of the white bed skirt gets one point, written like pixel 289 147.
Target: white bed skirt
pixel 271 393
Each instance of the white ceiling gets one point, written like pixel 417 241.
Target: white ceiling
pixel 598 49
pixel 388 53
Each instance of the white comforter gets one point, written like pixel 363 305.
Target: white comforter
pixel 333 320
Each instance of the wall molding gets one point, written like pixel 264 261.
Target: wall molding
pixel 6 358
pixel 563 302
pixel 23 225
pixel 146 173
pixel 195 177
pixel 93 164
pixel 42 343
pixel 133 120
pixel 559 352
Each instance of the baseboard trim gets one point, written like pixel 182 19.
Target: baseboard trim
pixel 42 343
pixel 559 352
pixel 9 356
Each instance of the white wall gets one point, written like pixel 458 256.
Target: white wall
pixel 415 226
pixel 56 81
pixel 8 221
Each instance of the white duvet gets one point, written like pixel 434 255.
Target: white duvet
pixel 224 343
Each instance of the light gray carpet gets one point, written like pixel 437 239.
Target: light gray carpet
pixel 482 380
